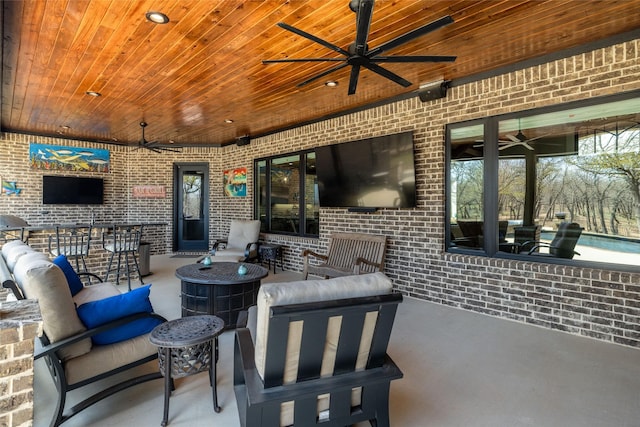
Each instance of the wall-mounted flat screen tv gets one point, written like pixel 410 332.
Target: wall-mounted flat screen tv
pixel 373 173
pixel 71 190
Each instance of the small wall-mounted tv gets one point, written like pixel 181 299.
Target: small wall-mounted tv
pixel 72 190
pixel 371 173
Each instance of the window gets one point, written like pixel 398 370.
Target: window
pixel 516 182
pixel 287 194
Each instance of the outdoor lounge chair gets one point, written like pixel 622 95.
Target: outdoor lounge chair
pixel 563 244
pixel 89 332
pixel 241 244
pixel 287 374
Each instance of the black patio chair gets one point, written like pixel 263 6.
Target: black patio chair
pixel 563 244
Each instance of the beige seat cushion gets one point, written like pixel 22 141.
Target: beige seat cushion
pixel 95 292
pixel 230 255
pixel 103 358
pixel 42 280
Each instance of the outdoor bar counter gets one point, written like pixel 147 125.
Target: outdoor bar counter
pixel 155 234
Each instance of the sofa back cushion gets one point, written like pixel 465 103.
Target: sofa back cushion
pixel 13 250
pixel 274 294
pixel 42 280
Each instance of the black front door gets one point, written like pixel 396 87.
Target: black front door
pixel 191 206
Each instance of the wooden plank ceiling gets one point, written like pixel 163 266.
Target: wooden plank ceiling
pixel 186 77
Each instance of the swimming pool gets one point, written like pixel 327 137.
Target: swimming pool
pixel 600 241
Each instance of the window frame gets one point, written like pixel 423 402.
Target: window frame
pixel 491 184
pixel 301 191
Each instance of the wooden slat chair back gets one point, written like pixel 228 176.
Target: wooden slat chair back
pixel 303 380
pixel 348 254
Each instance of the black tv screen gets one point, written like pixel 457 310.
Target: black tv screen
pixel 71 190
pixel 373 173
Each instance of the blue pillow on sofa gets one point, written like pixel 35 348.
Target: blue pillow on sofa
pixel 96 313
pixel 75 284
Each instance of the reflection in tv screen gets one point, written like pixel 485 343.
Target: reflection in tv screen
pixel 376 172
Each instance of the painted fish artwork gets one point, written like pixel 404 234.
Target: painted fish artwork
pixel 61 158
pixel 10 187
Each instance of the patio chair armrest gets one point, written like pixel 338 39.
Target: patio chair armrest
pixel 251 251
pixel 218 244
pixel 49 349
pixel 308 252
pixel 244 364
pixel 536 246
pixel 360 261
pixel 92 275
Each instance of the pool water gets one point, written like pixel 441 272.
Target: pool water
pixel 612 243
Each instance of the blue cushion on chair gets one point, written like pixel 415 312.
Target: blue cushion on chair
pixel 75 284
pixel 96 313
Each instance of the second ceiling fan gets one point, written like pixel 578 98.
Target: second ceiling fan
pixel 154 145
pixel 359 55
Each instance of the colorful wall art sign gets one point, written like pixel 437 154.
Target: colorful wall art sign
pixel 235 182
pixel 10 187
pixel 60 158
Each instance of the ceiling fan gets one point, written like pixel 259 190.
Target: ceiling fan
pixel 153 145
pixel 358 54
pixel 518 139
pixel 513 140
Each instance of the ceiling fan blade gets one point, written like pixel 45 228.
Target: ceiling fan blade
pixel 507 145
pixel 427 58
pixel 324 73
pixel 313 38
pixel 172 150
pixel 388 74
pixel 363 23
pixel 432 26
pixel 272 61
pixel 353 79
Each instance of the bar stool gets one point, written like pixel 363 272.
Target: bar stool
pixel 123 240
pixel 72 242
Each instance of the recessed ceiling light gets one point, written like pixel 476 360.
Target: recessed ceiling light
pixel 157 17
pixel 228 121
pixel 93 93
pixel 331 83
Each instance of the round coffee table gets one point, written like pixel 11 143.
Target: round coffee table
pixel 218 289
pixel 187 346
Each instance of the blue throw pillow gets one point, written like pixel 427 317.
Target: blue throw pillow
pixel 96 313
pixel 75 284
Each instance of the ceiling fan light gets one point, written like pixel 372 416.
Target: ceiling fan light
pixel 157 17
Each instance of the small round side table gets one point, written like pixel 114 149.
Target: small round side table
pixel 271 252
pixel 187 346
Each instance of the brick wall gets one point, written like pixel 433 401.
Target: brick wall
pixel 590 302
pixel 20 323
